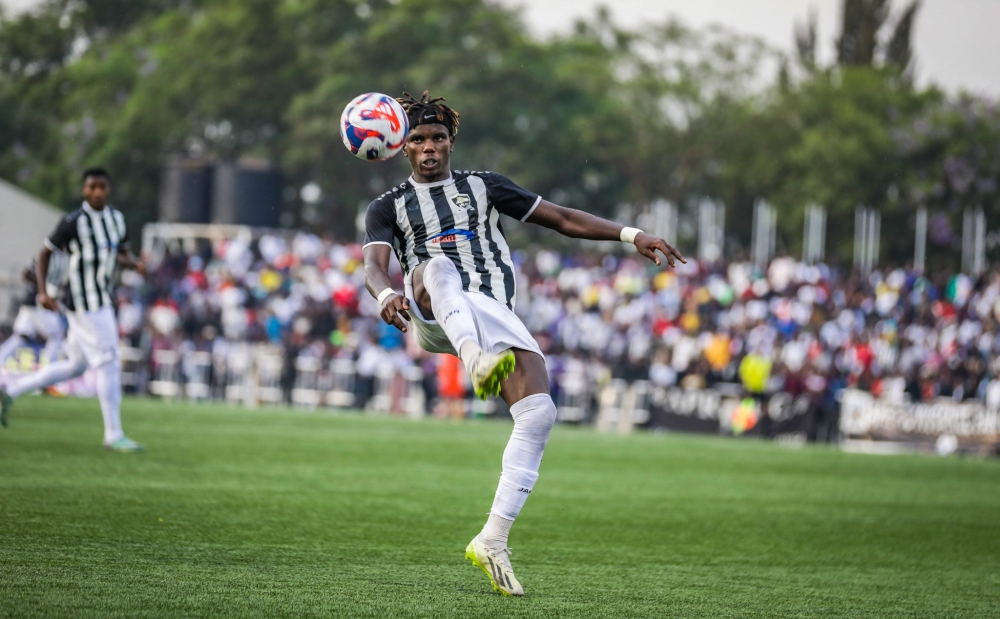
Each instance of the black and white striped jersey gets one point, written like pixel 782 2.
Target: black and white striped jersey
pixel 458 218
pixel 91 239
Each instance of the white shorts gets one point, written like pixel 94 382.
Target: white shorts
pixel 34 322
pixel 93 336
pixel 499 328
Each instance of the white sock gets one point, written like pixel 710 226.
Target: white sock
pixel 533 420
pixel 49 375
pixel 7 348
pixel 496 530
pixel 469 353
pixel 109 393
pixel 451 309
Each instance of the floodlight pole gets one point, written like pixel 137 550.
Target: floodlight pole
pixel 814 234
pixel 763 236
pixel 920 242
pixel 867 228
pixel 979 242
pixel 974 241
pixel 860 236
pixel 664 220
pixel 711 230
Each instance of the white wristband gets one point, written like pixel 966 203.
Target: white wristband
pixel 628 234
pixel 385 294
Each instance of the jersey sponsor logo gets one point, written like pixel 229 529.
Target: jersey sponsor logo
pixel 454 235
pixel 463 200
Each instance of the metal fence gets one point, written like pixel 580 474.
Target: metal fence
pixel 244 374
pixel 254 375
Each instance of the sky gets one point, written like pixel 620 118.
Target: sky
pixel 957 46
pixel 956 41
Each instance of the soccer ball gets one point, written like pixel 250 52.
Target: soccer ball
pixel 374 126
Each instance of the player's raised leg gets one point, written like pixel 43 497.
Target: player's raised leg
pixel 7 349
pixel 51 374
pixel 526 392
pixel 437 286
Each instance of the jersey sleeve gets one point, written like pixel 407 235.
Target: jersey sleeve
pixel 509 198
pixel 64 233
pixel 379 221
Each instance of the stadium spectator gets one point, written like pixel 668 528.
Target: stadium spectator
pixel 813 329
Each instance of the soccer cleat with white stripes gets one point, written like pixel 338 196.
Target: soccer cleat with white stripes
pixel 496 564
pixel 488 371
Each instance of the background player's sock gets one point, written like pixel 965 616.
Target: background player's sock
pixel 49 375
pixel 7 348
pixel 533 420
pixel 109 393
pixel 451 308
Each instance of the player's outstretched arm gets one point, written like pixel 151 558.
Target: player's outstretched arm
pixel 41 274
pixel 581 225
pixel 127 261
pixel 377 282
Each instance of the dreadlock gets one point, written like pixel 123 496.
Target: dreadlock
pixel 429 111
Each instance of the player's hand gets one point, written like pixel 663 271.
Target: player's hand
pixel 648 245
pixel 394 311
pixel 47 302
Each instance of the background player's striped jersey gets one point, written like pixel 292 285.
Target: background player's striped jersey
pixel 92 240
pixel 458 218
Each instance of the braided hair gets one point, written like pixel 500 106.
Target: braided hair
pixel 428 111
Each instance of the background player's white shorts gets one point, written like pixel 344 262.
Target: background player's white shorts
pixel 93 337
pixel 34 322
pixel 499 328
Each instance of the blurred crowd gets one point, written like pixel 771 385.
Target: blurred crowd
pixel 802 329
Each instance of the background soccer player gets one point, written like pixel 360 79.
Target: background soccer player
pixel 459 295
pixel 96 239
pixel 34 322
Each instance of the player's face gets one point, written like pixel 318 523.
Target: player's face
pixel 96 190
pixel 428 147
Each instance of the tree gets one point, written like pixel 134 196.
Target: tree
pixel 533 110
pixel 861 42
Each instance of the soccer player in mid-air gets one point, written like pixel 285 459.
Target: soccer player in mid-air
pixel 96 240
pixel 444 228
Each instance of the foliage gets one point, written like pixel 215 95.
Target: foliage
pixel 860 43
pixel 602 118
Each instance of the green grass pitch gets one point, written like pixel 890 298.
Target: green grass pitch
pixel 271 513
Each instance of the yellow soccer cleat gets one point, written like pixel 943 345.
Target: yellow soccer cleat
pixel 496 564
pixel 489 371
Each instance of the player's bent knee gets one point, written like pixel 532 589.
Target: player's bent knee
pixel 113 360
pixel 439 266
pixel 78 367
pixel 536 414
pixel 420 294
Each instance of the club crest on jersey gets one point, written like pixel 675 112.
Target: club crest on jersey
pixel 453 235
pixel 463 200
